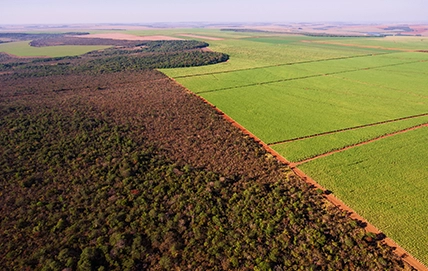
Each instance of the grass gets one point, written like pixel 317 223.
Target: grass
pixel 23 49
pixel 299 150
pixel 395 42
pixel 215 33
pixel 383 181
pixel 227 79
pixel 411 84
pixel 291 109
pixel 248 54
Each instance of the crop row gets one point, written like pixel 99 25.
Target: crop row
pixel 388 175
pixel 279 111
pixel 306 148
pixel 23 48
pixel 250 54
pixel 373 89
pixel 90 181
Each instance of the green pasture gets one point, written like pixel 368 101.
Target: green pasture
pixel 284 88
pixel 23 49
pixel 292 109
pixel 299 150
pixel 177 32
pixel 397 81
pixel 248 54
pixel 282 72
pixel 393 42
pixel 385 182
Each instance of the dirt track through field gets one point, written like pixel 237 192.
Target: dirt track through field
pixel 359 144
pixel 347 129
pixel 307 77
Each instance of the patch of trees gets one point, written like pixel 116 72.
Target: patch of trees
pixel 399 28
pixel 61 40
pixel 152 47
pixel 82 188
pixel 28 36
pixel 151 61
pixel 89 179
pixel 147 55
pixel 342 36
pixel 4 57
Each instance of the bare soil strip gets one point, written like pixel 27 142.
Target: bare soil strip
pixel 280 65
pixel 200 37
pixel 330 197
pixel 306 77
pixel 347 129
pixel 359 144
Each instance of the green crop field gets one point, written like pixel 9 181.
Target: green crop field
pixel 306 96
pixel 393 42
pixel 299 150
pixel 23 49
pixel 385 182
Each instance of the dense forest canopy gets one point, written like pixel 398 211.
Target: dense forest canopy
pixel 108 164
pixel 125 55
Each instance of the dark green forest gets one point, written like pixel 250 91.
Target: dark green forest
pixel 107 164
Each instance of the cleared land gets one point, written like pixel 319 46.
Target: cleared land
pixel 23 49
pixel 306 96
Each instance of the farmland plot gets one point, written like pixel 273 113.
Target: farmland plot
pixel 385 182
pixel 309 96
pixel 23 48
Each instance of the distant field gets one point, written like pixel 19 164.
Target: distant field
pixel 299 150
pixel 23 49
pixel 349 90
pixel 397 42
pixel 249 54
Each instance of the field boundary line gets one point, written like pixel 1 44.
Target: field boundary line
pixel 347 129
pixel 399 251
pixel 282 64
pixel 306 77
pixel 359 144
pixel 368 227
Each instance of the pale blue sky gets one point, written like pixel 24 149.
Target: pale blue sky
pixel 146 11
